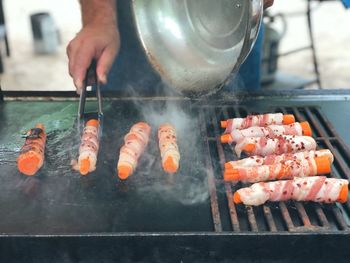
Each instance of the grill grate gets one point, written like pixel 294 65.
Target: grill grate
pixel 272 217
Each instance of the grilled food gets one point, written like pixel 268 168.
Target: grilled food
pixel 282 144
pixel 276 159
pixel 31 156
pixel 271 131
pixel 257 120
pixel 88 149
pixel 284 170
pixel 316 189
pixel 168 148
pixel 135 143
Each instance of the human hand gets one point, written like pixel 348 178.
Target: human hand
pixel 268 3
pixel 96 40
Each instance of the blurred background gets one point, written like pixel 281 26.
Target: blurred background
pixel 288 61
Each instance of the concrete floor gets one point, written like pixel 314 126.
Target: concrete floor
pixel 26 71
pixel 332 40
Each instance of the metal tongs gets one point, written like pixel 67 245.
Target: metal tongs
pixel 90 80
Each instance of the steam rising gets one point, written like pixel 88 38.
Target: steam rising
pixel 189 185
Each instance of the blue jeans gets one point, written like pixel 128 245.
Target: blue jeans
pixel 249 74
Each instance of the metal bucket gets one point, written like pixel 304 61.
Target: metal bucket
pixel 196 44
pixel 45 33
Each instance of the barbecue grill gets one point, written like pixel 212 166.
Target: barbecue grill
pixel 59 216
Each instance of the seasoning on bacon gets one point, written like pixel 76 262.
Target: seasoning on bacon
pixel 88 149
pixel 299 129
pixel 168 148
pixel 276 159
pixel 278 145
pixel 31 157
pixel 257 120
pixel 135 143
pixel 285 170
pixel 316 189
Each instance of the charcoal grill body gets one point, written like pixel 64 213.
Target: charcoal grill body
pixel 62 217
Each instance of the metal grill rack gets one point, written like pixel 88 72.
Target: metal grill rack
pixel 272 217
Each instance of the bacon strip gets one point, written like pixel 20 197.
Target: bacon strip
pixel 283 144
pixel 169 150
pixel 316 189
pixel 257 120
pixel 276 159
pixel 31 157
pixel 270 131
pixel 88 149
pixel 287 169
pixel 135 143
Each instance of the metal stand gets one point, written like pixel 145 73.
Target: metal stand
pixel 310 46
pixel 314 56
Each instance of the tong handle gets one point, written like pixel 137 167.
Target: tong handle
pixel 91 75
pixel 90 80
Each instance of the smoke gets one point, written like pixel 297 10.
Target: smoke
pixel 189 185
pixel 61 148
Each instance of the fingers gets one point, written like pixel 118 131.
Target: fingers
pixel 105 62
pixel 93 42
pixel 80 57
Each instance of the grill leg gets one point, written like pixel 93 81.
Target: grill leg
pixel 312 40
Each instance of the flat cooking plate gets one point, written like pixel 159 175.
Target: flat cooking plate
pixel 59 201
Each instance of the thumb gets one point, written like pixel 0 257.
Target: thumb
pixel 104 63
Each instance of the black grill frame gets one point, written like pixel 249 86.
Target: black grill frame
pixel 221 245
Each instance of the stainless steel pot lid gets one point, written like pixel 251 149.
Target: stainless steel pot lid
pixel 196 44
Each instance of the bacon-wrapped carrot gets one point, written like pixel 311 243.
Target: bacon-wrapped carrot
pixel 276 159
pixel 297 128
pixel 286 170
pixel 135 143
pixel 88 149
pixel 168 148
pixel 31 156
pixel 282 144
pixel 316 189
pixel 257 120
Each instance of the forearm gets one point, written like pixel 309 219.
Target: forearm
pixel 98 11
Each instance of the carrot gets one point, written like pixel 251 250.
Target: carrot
pixel 92 122
pixel 237 198
pixel 29 164
pixel 231 175
pixel 169 165
pixel 226 138
pixel 31 157
pixel 323 165
pixel 223 124
pixel 124 171
pixel 343 195
pixel 305 126
pixel 228 166
pixel 168 148
pixel 84 166
pixel 288 118
pixel 135 142
pixel 87 154
pixel 250 147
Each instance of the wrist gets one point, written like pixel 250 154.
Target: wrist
pixel 101 22
pixel 98 13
